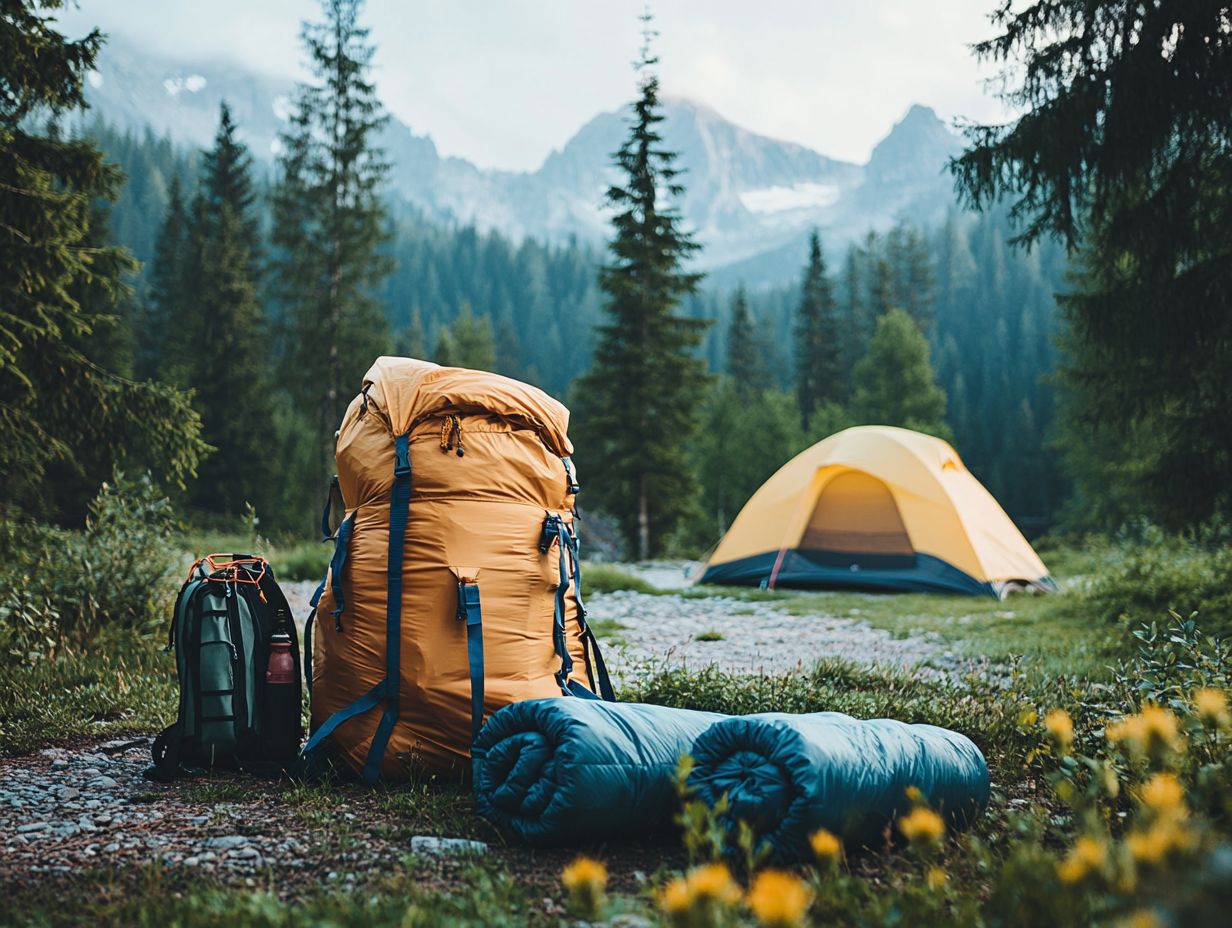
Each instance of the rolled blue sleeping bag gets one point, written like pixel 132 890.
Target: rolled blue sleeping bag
pixel 790 775
pixel 561 770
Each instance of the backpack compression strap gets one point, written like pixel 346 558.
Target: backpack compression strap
pixel 469 611
pixel 386 691
pixel 554 529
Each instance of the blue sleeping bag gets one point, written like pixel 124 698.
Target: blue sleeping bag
pixel 790 775
pixel 555 771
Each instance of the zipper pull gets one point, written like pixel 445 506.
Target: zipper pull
pixel 457 430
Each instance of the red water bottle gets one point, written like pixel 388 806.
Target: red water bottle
pixel 281 709
pixel 281 668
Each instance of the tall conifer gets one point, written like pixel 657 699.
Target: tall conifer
pixel 746 350
pixel 329 223
pixel 819 373
pixel 60 282
pixel 226 346
pixel 164 306
pixel 640 401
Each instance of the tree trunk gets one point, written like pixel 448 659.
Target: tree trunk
pixel 643 521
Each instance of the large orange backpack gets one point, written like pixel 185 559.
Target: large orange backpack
pixel 454 588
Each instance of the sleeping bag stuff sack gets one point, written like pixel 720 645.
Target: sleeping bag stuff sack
pixel 556 771
pixel 789 775
pixel 454 586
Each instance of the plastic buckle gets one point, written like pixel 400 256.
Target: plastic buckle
pixel 549 533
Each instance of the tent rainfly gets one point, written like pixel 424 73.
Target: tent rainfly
pixel 876 508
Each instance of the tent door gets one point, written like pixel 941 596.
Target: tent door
pixel 856 524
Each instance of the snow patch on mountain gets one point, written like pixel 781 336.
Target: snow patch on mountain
pixel 780 199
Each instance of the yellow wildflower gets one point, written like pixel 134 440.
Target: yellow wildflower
pixel 714 881
pixel 1158 842
pixel 779 899
pixel 1153 732
pixel 1142 918
pixel 922 827
pixel 827 848
pixel 914 796
pixel 936 879
pixel 1163 795
pixel 585 879
pixel 1060 729
pixel 676 898
pixel 1212 706
pixel 698 898
pixel 1086 856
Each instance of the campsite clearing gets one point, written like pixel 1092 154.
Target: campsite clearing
pixel 101 833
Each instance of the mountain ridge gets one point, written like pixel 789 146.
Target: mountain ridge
pixel 746 194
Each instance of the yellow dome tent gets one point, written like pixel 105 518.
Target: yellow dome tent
pixel 879 508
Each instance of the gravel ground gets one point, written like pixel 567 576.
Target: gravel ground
pixel 80 821
pixel 736 635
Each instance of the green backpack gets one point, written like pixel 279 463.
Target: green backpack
pixel 238 662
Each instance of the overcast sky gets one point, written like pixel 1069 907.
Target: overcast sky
pixel 503 83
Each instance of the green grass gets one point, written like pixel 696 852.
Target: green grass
pixel 120 684
pixel 291 559
pixel 710 635
pixel 604 578
pixel 479 895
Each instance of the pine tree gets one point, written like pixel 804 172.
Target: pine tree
pixel 819 373
pixel 1123 149
pixel 858 322
pixel 640 400
pixel 882 297
pixel 412 342
pixel 895 384
pixel 60 282
pixel 911 269
pixel 226 340
pixel 468 342
pixel 746 351
pixel 165 305
pixel 329 223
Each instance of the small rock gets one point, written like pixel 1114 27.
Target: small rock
pixel 226 841
pixel 59 762
pixel 428 844
pixel 245 853
pixel 111 848
pixel 31 826
pixel 629 920
pixel 68 793
pixel 191 861
pixel 104 782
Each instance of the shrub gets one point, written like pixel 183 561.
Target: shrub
pixel 1147 572
pixel 60 588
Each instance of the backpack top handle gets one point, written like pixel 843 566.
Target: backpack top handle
pixel 234 568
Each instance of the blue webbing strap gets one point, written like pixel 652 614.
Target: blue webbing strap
pixel 469 612
pixel 399 510
pixel 553 524
pixel 326 534
pixel 309 622
pixel 369 700
pixel 589 642
pixel 337 567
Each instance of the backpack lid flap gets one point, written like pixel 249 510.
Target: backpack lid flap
pixel 407 390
